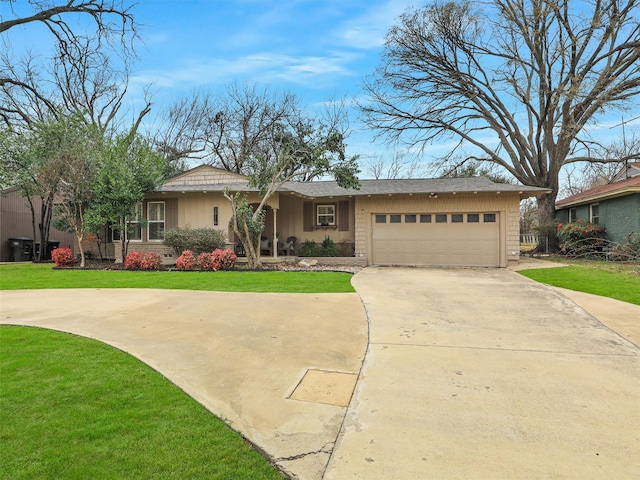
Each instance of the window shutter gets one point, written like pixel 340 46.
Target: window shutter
pixel 307 216
pixel 171 213
pixel 343 216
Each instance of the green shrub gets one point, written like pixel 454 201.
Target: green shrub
pixel 581 238
pixel 328 248
pixel 308 249
pixel 198 240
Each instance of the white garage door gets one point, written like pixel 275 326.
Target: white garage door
pixel 438 239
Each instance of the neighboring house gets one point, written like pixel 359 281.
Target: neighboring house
pixel 615 206
pixel 16 222
pixel 439 222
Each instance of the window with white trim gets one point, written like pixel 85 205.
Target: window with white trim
pixel 326 215
pixel 572 215
pixel 133 231
pixel 595 213
pixel 155 219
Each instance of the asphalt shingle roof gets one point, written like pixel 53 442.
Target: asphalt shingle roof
pixel 611 189
pixel 373 187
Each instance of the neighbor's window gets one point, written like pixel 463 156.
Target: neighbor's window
pixel 326 215
pixel 595 213
pixel 155 218
pixel 572 215
pixel 215 215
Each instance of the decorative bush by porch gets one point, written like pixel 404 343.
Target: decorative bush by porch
pixel 213 261
pixel 581 238
pixel 186 261
pixel 142 261
pixel 198 240
pixel 63 257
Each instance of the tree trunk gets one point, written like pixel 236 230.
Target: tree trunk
pixel 547 224
pixel 252 252
pixel 79 238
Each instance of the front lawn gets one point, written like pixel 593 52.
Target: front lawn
pixel 23 276
pixel 607 279
pixel 74 408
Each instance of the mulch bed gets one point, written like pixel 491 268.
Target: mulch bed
pixel 92 264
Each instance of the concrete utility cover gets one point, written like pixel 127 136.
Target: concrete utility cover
pixel 320 386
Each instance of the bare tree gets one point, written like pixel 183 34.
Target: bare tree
pixel 400 166
pixel 531 74
pixel 78 76
pixel 227 129
pixel 581 177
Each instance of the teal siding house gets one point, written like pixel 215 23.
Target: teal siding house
pixel 615 206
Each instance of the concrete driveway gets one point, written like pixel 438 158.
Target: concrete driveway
pixel 279 368
pixel 482 373
pixel 468 373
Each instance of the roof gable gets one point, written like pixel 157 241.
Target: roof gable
pixel 204 175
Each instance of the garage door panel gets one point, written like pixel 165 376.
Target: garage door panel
pixel 437 244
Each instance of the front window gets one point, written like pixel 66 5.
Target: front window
pixel 133 231
pixel 155 212
pixel 595 214
pixel 326 215
pixel 572 215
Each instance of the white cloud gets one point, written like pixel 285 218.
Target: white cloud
pixel 311 71
pixel 368 30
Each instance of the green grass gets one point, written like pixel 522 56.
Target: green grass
pixel 74 408
pixel 22 276
pixel 621 282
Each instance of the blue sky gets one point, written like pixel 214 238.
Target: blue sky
pixel 320 50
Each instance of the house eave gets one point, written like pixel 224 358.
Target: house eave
pixel 598 197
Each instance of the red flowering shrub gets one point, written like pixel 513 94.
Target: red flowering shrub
pixel 224 259
pixel 186 261
pixel 581 237
pixel 142 261
pixel 133 261
pixel 63 257
pixel 205 261
pixel 151 261
pixel 217 260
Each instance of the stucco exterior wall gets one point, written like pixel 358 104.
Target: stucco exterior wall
pixel 507 205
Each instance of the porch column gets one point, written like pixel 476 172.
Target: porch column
pixel 275 233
